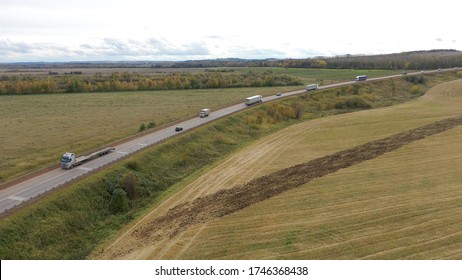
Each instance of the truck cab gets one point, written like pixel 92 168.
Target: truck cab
pixel 204 113
pixel 67 160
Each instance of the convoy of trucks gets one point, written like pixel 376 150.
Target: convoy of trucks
pixel 311 87
pixel 69 160
pixel 204 113
pixel 253 100
pixel 361 78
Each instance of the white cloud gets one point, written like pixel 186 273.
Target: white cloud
pixel 182 29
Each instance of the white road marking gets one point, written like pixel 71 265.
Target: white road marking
pixel 85 168
pixel 18 198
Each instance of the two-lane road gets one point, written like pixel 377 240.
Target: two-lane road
pixel 24 191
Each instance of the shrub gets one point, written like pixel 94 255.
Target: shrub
pixel 142 127
pixel 415 89
pixel 298 109
pixel 130 185
pixel 133 165
pixel 119 201
pixel 416 79
pixel 279 112
pixel 151 124
pixel 351 102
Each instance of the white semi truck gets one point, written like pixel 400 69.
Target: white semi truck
pixel 361 78
pixel 311 87
pixel 69 160
pixel 204 113
pixel 253 100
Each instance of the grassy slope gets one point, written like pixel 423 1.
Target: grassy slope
pixel 403 205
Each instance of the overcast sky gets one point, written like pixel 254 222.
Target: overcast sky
pixel 83 30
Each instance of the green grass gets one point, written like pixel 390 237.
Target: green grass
pixel 71 222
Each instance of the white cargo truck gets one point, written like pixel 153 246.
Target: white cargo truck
pixel 204 113
pixel 69 160
pixel 361 78
pixel 311 87
pixel 253 100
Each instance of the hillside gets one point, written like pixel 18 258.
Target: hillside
pixel 401 203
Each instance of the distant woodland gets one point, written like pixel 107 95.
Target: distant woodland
pixel 209 78
pixel 418 60
pixel 126 81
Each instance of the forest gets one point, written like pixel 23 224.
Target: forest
pixel 416 60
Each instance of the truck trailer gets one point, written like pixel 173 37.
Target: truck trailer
pixel 69 160
pixel 361 78
pixel 253 100
pixel 311 87
pixel 204 113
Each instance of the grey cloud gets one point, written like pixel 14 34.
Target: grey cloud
pixel 10 49
pixel 7 47
pixel 106 49
pixel 149 47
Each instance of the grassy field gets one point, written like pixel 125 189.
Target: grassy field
pixel 405 204
pixel 48 125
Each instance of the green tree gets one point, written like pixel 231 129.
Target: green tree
pixel 119 201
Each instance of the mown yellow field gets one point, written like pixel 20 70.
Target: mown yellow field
pixel 404 204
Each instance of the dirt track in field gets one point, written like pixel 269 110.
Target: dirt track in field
pixel 228 201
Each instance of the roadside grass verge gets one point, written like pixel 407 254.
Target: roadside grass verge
pixel 70 223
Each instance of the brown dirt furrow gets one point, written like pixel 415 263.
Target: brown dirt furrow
pixel 228 201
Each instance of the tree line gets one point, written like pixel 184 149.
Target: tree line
pixel 416 60
pixel 134 81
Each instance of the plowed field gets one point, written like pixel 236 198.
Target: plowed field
pixel 364 185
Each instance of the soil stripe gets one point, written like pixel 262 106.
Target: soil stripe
pixel 228 201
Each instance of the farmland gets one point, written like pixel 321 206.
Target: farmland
pixel 47 125
pixel 73 222
pixel 403 204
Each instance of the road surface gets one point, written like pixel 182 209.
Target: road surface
pixel 37 186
